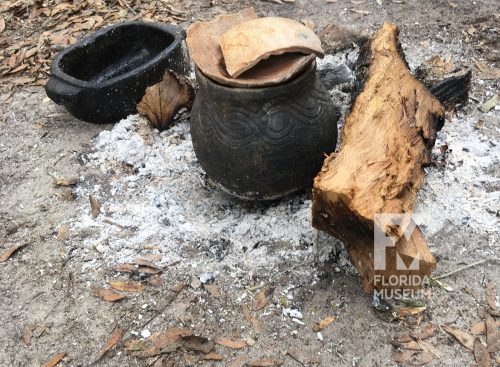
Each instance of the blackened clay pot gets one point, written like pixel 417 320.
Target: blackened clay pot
pixel 263 143
pixel 102 78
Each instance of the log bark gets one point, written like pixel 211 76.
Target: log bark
pixel 386 143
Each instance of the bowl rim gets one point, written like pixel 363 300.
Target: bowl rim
pixel 171 29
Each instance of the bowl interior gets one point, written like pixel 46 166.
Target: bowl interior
pixel 115 52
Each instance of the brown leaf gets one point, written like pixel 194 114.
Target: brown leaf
pixel 163 342
pixel 408 311
pixel 423 358
pixel 425 332
pixel 481 354
pixel 70 181
pixel 464 338
pixel 136 269
pixel 233 344
pixel 54 360
pixel 198 343
pixel 161 101
pixel 323 323
pixel 2 24
pixel 403 356
pixel 266 362
pixel 63 233
pixel 478 328
pixel 27 335
pixel 155 280
pixel 256 325
pixel 491 328
pixel 494 343
pixel 411 345
pixel 213 357
pixel 213 289
pixel 263 298
pixel 130 286
pixel 108 295
pixel 10 251
pixel 177 287
pixel 114 338
pixel 246 313
pixel 95 207
pixel 491 296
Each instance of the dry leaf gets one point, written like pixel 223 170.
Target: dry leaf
pixel 10 251
pixel 238 361
pixel 136 269
pixel 256 325
pixel 266 362
pixel 63 233
pixel 130 286
pixel 107 294
pixel 478 328
pixel 197 343
pixel 95 207
pixel 481 355
pixel 323 323
pixel 233 344
pixel 115 337
pixel 422 358
pixel 66 181
pixel 27 335
pixel 213 357
pixel 403 356
pixel 464 338
pixel 155 281
pixel 177 287
pixel 453 5
pixel 54 360
pixel 213 289
pixel 491 328
pixel 161 101
pixel 493 343
pixel 407 311
pixel 491 296
pixel 2 24
pixel 246 313
pixel 425 332
pixel 263 298
pixel 163 342
pixel 39 330
pixel 411 345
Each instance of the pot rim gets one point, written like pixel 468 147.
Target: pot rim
pixel 171 29
pixel 275 87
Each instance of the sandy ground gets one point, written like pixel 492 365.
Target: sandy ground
pixel 156 201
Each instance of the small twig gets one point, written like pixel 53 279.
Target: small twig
pixel 466 267
pixel 129 7
pixel 274 278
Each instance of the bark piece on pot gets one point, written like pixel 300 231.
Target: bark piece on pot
pixel 244 45
pixel 163 100
pixel 203 44
pixel 387 141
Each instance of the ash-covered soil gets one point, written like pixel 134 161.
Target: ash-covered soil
pixel 157 203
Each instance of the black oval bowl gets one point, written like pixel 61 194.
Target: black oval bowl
pixel 102 78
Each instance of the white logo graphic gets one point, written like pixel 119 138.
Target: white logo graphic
pixel 388 229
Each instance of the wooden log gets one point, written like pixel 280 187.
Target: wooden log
pixel 387 141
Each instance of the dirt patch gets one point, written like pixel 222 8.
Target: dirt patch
pixel 157 203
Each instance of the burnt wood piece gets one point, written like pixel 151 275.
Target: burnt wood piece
pixel 386 143
pixel 453 89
